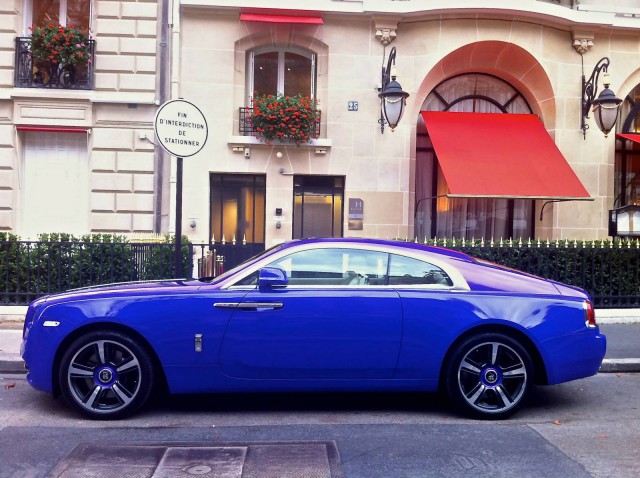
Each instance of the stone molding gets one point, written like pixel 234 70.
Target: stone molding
pixel 386 29
pixel 582 41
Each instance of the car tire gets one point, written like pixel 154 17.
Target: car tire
pixel 488 376
pixel 106 375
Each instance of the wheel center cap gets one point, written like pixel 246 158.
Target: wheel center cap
pixel 491 376
pixel 105 375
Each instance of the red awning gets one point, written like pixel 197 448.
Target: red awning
pixel 500 156
pixel 51 129
pixel 631 137
pixel 255 17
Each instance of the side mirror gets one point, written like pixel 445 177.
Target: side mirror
pixel 272 277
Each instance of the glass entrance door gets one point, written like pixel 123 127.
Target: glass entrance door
pixel 318 206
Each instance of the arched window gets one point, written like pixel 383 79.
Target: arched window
pixel 289 71
pixel 627 164
pixel 439 216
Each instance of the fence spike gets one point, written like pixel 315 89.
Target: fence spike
pixel 224 241
pixel 491 243
pixel 482 242
pixel 244 239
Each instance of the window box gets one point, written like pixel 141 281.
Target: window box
pixel 32 72
pixel 282 119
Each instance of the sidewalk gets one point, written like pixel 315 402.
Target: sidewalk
pixel 623 344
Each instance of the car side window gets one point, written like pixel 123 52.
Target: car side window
pixel 408 271
pixel 334 267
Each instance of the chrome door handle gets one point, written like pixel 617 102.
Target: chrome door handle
pixel 249 305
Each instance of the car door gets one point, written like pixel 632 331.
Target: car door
pixel 334 320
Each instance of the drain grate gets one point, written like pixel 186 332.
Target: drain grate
pixel 231 460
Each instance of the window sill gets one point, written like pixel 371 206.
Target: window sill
pixel 244 141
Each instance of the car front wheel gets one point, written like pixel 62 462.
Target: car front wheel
pixel 488 376
pixel 106 375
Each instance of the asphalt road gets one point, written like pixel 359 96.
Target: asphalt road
pixel 585 428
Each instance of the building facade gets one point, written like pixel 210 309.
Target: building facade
pixel 522 59
pixel 75 149
pixel 462 65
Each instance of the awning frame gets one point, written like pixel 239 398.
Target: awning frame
pixel 479 153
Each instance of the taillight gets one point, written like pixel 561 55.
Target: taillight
pixel 589 314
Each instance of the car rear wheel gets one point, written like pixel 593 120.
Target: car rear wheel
pixel 106 375
pixel 488 376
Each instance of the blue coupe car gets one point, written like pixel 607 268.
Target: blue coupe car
pixel 317 315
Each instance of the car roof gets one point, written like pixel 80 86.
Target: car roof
pixel 382 242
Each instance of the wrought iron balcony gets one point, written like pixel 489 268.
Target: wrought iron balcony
pixel 246 128
pixel 42 74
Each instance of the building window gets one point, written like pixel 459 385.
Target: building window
pixel 238 208
pixel 288 71
pixel 55 184
pixel 75 13
pixel 439 216
pixel 627 163
pixel 317 206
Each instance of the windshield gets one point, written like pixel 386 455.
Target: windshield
pixel 244 264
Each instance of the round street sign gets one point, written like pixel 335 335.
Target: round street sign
pixel 181 128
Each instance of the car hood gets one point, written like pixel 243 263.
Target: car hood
pixel 122 288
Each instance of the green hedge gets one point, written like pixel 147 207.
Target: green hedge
pixel 59 262
pixel 608 270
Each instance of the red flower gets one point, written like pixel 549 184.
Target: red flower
pixel 290 119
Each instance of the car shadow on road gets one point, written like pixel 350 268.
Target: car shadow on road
pixel 305 402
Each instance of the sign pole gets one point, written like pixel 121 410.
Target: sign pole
pixel 182 131
pixel 178 268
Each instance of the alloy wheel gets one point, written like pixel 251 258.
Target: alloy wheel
pixel 492 377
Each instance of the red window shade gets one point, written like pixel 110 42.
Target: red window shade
pixel 51 129
pixel 255 17
pixel 500 156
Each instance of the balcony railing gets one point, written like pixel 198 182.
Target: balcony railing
pixel 246 128
pixel 42 74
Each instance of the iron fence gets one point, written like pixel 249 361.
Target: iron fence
pixel 30 269
pixel 43 74
pixel 213 259
pixel 608 270
pixel 246 127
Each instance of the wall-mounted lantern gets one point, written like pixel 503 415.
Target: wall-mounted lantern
pixel 392 98
pixel 606 106
pixel 625 221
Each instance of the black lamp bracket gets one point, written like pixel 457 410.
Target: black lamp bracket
pixel 589 90
pixel 386 79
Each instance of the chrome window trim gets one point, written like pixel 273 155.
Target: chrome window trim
pixel 459 282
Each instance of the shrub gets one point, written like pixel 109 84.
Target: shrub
pixel 59 262
pixel 159 261
pixel 290 119
pixel 59 44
